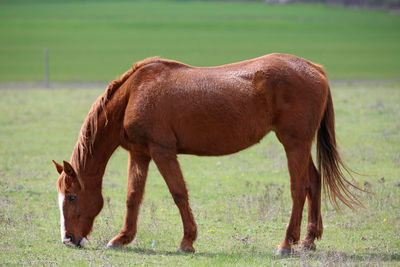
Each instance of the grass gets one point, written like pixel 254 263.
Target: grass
pixel 241 202
pixel 95 40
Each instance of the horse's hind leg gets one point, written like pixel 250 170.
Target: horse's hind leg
pixel 137 172
pixel 169 168
pixel 314 227
pixel 298 155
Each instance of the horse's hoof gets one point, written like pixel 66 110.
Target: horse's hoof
pixel 185 250
pixel 283 251
pixel 112 246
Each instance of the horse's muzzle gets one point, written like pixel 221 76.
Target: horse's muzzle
pixel 71 242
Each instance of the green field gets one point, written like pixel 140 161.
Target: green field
pixel 241 202
pixel 98 40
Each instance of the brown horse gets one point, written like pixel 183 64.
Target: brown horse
pixel 160 108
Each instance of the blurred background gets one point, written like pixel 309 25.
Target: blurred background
pixel 95 41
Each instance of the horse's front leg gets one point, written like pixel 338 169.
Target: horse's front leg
pixel 137 172
pixel 168 166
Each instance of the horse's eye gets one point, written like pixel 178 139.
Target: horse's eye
pixel 71 198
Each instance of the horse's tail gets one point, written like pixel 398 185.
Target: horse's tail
pixel 330 165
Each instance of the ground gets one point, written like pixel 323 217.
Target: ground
pixel 241 202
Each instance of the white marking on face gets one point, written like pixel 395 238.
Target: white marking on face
pixel 61 198
pixel 64 239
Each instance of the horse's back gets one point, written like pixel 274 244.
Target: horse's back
pixel 212 110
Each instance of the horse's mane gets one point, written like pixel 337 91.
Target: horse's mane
pixel 87 136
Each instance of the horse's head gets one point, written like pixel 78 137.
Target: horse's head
pixel 78 206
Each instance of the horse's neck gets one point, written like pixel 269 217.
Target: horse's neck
pixel 102 149
pixel 106 140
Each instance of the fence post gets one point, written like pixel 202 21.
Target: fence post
pixel 46 68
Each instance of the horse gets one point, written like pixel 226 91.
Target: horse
pixel 161 108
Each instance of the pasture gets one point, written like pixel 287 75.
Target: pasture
pixel 97 40
pixel 241 202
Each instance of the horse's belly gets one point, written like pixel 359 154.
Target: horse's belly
pixel 220 137
pixel 211 148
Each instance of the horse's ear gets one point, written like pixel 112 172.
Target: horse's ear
pixel 71 175
pixel 68 169
pixel 59 168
